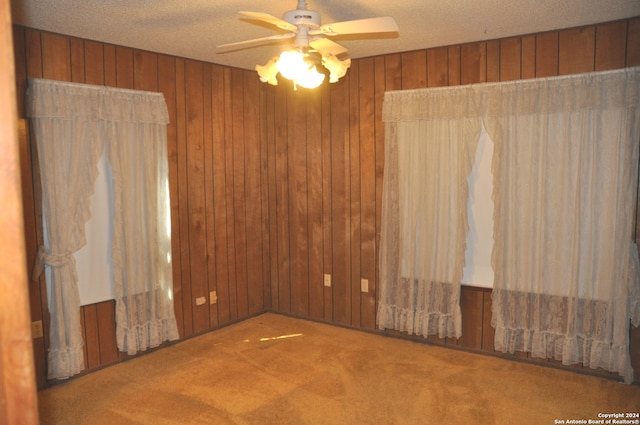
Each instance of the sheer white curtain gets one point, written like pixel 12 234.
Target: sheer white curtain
pixel 566 172
pixel 141 251
pixel 430 150
pixel 71 125
pixel 68 152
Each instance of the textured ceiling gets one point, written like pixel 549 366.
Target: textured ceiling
pixel 193 28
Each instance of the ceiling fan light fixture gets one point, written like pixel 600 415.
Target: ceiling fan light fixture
pixel 312 47
pixel 292 65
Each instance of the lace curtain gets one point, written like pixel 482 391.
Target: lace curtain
pixel 71 123
pixel 429 153
pixel 565 172
pixel 143 281
pixel 68 153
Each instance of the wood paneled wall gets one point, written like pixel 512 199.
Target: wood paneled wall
pixel 326 156
pixel 274 188
pixel 218 181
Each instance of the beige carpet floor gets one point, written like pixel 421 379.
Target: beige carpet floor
pixel 273 369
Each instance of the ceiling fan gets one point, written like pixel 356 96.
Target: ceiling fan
pixel 311 45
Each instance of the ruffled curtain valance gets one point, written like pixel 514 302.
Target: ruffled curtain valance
pixel 56 99
pixel 590 91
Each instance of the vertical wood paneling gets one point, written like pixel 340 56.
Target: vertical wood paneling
pixel 340 220
pixel 110 78
pixel 270 260
pixel 510 55
pixel 185 295
pixel 315 207
pixel 124 67
pixel 91 336
pixel 253 179
pixel 145 71
pixel 219 165
pixel 282 285
pixel 633 43
pixel 77 60
pixel 56 57
pixel 33 46
pixel 455 70
pixel 196 201
pixel 209 198
pixel 327 177
pixel 393 72
pixel 528 57
pixel 230 124
pixel 493 60
pixel 239 194
pixel 379 83
pixel 471 304
pixel 367 161
pixel 576 50
pixel 266 135
pixel 355 200
pixel 610 53
pixel 298 201
pixel 414 69
pixel 487 330
pixel 94 63
pixel 473 63
pixel 106 318
pixel 547 54
pixel 437 67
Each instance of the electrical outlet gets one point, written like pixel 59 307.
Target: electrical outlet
pixel 201 300
pixel 213 297
pixel 36 329
pixel 364 285
pixel 327 280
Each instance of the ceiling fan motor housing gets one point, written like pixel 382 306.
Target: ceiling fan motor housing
pixel 304 20
pixel 308 18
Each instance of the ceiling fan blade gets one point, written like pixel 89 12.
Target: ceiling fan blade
pixel 256 41
pixel 327 47
pixel 270 19
pixel 359 26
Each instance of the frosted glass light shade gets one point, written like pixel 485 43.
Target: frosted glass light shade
pixel 292 65
pixel 268 72
pixel 310 79
pixel 336 67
